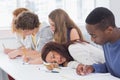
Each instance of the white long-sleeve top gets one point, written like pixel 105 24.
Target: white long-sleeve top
pixel 84 53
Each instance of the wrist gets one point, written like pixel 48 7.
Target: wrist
pixel 93 70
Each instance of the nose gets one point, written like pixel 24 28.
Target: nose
pixel 56 60
pixel 93 39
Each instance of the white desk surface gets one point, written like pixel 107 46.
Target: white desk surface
pixel 19 71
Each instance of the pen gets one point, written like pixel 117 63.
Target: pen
pixel 3 45
pixel 25 63
pixel 54 71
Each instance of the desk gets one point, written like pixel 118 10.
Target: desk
pixel 19 71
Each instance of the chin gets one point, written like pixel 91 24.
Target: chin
pixel 60 63
pixel 99 43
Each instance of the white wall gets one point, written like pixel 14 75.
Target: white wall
pixel 115 7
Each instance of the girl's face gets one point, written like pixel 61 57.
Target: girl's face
pixel 55 57
pixel 52 25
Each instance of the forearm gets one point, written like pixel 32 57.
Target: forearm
pixel 7 50
pixel 73 64
pixel 32 54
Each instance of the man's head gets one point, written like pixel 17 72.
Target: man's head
pixel 100 24
pixel 27 22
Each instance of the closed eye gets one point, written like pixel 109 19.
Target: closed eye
pixel 93 36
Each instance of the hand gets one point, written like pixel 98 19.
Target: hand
pixel 55 65
pixel 6 50
pixel 84 69
pixel 51 66
pixel 36 61
pixel 14 54
pixel 25 58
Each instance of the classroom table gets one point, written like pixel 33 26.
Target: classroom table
pixel 22 71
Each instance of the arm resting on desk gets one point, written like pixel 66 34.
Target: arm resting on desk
pixel 100 68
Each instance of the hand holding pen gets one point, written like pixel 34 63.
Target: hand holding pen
pixel 24 52
pixel 84 69
pixel 51 66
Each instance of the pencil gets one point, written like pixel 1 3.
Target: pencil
pixel 3 45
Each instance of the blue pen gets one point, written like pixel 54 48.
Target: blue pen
pixel 54 71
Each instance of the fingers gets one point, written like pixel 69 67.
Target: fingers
pixel 7 50
pixel 14 54
pixel 35 61
pixel 55 65
pixel 25 59
pixel 80 70
pixel 84 69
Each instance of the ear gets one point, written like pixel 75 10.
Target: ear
pixel 109 29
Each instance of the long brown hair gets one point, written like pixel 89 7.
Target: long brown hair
pixel 62 24
pixel 53 46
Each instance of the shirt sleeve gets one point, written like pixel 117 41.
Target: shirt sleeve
pixel 73 64
pixel 81 54
pixel 46 35
pixel 100 68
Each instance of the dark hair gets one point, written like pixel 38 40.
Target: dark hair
pixel 101 17
pixel 53 46
pixel 27 21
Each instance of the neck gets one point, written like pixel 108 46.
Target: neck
pixel 116 35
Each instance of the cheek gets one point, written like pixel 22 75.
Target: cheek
pixel 52 28
pixel 48 60
pixel 100 40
